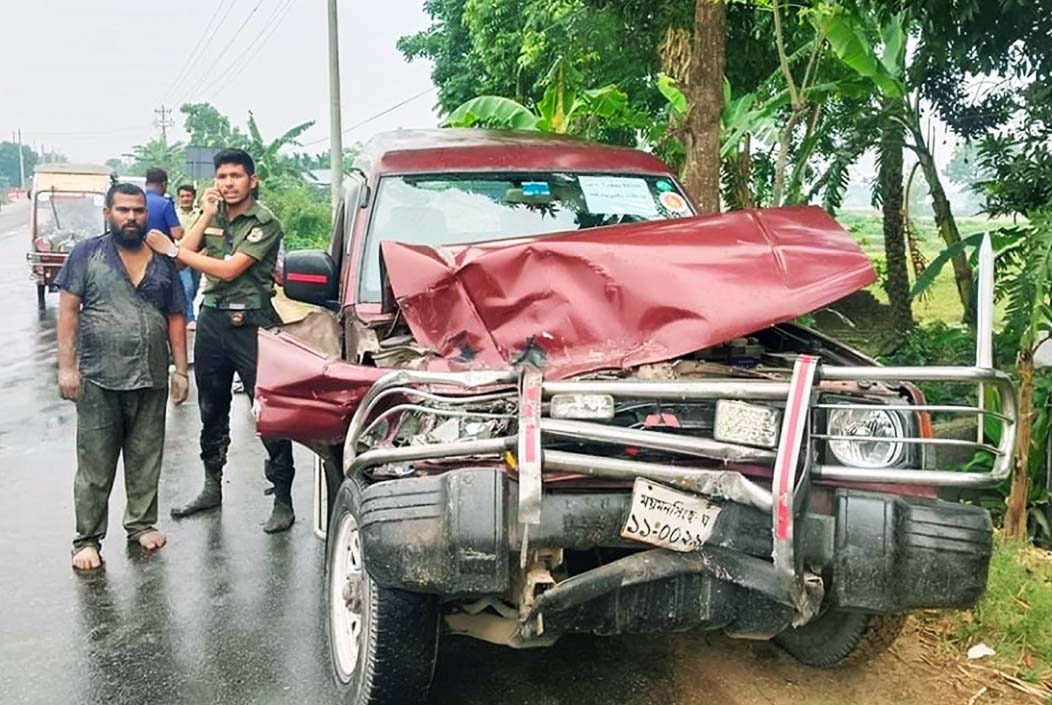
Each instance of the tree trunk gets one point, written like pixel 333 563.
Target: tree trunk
pixel 744 174
pixel 705 103
pixel 944 219
pixel 1016 515
pixel 891 174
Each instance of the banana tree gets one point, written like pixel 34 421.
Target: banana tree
pixel 271 165
pixel 851 38
pixel 563 109
pixel 1029 316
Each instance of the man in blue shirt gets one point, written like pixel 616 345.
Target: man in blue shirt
pixel 160 207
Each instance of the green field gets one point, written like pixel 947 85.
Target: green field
pixel 942 303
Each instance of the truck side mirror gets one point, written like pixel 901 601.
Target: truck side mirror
pixel 311 276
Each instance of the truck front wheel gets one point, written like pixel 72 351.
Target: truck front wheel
pixel 383 643
pixel 841 638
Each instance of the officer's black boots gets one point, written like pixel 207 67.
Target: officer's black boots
pixel 281 517
pixel 210 497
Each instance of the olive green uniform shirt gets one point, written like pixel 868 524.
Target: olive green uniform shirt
pixel 187 218
pixel 257 233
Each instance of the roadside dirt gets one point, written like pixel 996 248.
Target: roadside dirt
pixel 700 669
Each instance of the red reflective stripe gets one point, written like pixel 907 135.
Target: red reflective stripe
pixel 783 519
pixel 531 412
pixel 307 278
pixel 788 452
pixel 531 444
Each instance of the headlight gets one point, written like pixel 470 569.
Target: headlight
pixel 875 423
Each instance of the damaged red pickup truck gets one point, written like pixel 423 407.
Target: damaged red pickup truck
pixel 547 398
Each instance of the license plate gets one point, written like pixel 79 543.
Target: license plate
pixel 665 517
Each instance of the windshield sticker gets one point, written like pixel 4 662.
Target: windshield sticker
pixel 617 195
pixel 44 197
pixel 663 186
pixel 99 200
pixel 674 202
pixel 536 188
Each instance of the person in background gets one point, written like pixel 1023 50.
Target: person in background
pixel 160 207
pixel 187 210
pixel 188 213
pixel 120 318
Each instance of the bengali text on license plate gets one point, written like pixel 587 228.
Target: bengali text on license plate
pixel 669 518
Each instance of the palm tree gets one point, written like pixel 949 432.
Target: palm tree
pixel 156 153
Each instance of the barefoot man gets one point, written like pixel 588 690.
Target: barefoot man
pixel 120 317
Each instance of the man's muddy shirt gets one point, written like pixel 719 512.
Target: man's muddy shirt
pixel 123 339
pixel 257 233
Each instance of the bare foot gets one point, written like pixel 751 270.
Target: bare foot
pixel 87 558
pixel 152 540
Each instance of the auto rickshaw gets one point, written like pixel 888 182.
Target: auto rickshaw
pixel 67 202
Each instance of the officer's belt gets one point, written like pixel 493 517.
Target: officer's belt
pixel 212 301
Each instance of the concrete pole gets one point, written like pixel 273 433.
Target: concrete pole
pixel 984 328
pixel 336 126
pixel 21 163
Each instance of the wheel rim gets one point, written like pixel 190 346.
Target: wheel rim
pixel 346 597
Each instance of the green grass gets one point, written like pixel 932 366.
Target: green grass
pixel 1015 615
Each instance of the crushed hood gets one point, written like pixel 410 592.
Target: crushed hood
pixel 623 296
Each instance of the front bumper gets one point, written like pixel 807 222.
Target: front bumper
pixel 457 535
pixel 46 265
pixel 785 569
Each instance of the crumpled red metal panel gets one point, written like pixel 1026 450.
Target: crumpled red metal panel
pixel 623 296
pixel 302 394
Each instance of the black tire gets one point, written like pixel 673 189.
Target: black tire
pixel 842 638
pixel 41 295
pixel 398 643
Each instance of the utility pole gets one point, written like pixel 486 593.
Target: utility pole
pixel 163 121
pixel 336 127
pixel 21 162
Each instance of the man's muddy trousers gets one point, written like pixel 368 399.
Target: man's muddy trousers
pixel 226 343
pixel 111 424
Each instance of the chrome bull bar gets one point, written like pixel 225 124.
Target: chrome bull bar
pixel 486 384
pixel 795 452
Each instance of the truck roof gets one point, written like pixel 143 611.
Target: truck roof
pixel 72 169
pixel 475 150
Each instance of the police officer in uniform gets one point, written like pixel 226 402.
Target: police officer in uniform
pixel 241 241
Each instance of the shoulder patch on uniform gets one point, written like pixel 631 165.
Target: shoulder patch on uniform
pixel 255 234
pixel 264 214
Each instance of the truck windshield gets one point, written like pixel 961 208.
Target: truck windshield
pixel 64 219
pixel 465 208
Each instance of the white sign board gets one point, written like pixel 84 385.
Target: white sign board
pixel 618 195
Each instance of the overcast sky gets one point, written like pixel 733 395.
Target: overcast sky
pixel 86 75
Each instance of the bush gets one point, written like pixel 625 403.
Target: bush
pixel 304 214
pixel 937 344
